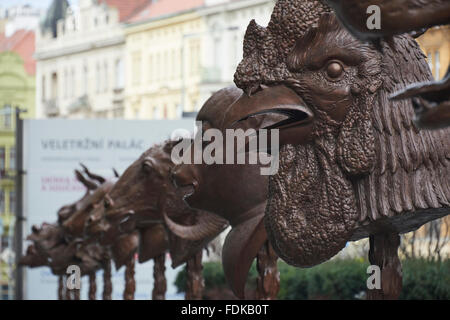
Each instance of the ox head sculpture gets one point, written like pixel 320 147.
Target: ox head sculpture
pixel 352 162
pixel 141 199
pixel 236 192
pixel 33 258
pixel 75 223
pixel 60 245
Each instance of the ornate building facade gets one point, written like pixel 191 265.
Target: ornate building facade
pixel 226 23
pixel 180 52
pixel 79 53
pixel 163 60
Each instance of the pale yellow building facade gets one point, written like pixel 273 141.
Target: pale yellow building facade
pixel 435 43
pixel 163 71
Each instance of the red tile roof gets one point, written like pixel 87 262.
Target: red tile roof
pixel 127 8
pixel 21 42
pixel 160 8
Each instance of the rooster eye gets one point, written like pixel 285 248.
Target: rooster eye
pixel 334 70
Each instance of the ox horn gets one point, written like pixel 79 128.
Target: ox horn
pixel 207 226
pixel 116 174
pixel 87 183
pixel 92 175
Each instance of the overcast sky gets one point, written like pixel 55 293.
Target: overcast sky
pixel 35 3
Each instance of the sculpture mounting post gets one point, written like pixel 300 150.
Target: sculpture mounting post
pixel 60 288
pixel 159 276
pixel 92 286
pixel 383 253
pixel 107 285
pixel 194 281
pixel 130 283
pixel 268 282
pixel 67 292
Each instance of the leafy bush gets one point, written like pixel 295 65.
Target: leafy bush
pixel 214 277
pixel 425 280
pixel 340 279
pixel 337 279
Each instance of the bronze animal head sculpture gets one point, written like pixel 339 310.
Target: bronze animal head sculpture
pixel 33 258
pixel 352 163
pixel 396 17
pixel 141 198
pixel 236 192
pixel 431 100
pixel 50 248
pixel 75 223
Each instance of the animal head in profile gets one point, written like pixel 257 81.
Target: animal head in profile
pixel 349 156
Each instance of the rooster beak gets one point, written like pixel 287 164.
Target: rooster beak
pixel 277 107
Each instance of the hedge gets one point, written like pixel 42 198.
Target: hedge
pixel 340 279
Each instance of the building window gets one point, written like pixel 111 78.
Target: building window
pixel 12 201
pixel 98 78
pixel 12 158
pixel 158 66
pixel 7 116
pixel 167 66
pixel 66 84
pixel 2 158
pixel 173 64
pixel 73 84
pixel 430 61
pixel 105 75
pixel 217 45
pixel 119 74
pixel 437 65
pixel 150 68
pixel 85 79
pixel 43 89
pixel 156 114
pixel 136 61
pixel 55 86
pixel 2 201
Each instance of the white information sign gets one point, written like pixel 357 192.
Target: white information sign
pixel 52 150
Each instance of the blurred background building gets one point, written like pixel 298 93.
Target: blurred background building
pixel 79 55
pixel 180 52
pixel 17 90
pixel 435 43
